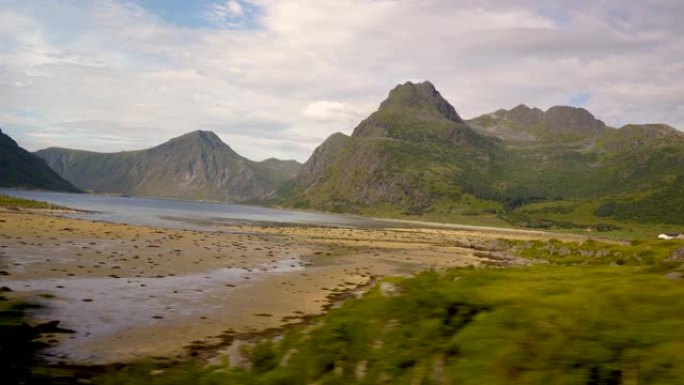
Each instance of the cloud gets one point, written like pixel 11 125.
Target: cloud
pixel 219 12
pixel 234 7
pixel 296 71
pixel 231 14
pixel 327 110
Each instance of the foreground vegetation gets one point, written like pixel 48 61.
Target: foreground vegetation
pixel 594 313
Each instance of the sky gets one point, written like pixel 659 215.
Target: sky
pixel 274 78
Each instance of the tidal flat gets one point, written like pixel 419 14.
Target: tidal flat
pixel 134 292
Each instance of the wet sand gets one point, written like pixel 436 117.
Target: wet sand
pixel 131 292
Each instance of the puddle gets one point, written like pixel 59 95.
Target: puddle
pixel 98 308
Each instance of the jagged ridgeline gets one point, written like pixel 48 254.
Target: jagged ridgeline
pixel 197 165
pixel 415 155
pixel 21 169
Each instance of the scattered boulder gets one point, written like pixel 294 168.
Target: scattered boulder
pixel 674 275
pixel 388 289
pixel 677 255
pixel 505 259
pixel 52 327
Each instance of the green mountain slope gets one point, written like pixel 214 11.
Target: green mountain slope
pixel 197 165
pixel 20 168
pixel 637 170
pixel 415 155
pixel 413 150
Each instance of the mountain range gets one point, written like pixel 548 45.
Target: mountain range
pixel 416 155
pixel 20 168
pixel 197 165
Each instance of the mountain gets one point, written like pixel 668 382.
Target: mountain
pixel 413 150
pixel 416 155
pixel 20 168
pixel 565 152
pixel 524 124
pixel 197 165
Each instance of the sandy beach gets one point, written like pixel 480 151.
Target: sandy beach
pixel 133 292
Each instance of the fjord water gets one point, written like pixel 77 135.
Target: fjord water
pixel 183 214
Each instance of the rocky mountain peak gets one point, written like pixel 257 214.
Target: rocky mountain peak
pixel 197 165
pixel 631 136
pixel 20 168
pixel 6 141
pixel 653 131
pixel 411 111
pixel 524 115
pixel 573 120
pixel 196 142
pixel 558 123
pixel 420 96
pixel 202 137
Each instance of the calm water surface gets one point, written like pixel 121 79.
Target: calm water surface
pixel 185 214
pixel 99 308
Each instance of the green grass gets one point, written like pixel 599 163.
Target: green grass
pixel 578 215
pixel 467 210
pixel 12 202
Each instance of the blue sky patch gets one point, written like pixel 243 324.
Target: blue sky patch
pixel 225 14
pixel 579 99
pixel 22 113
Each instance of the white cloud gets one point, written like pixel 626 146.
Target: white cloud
pixel 227 14
pixel 326 110
pixel 234 7
pixel 315 67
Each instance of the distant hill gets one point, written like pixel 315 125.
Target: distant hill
pixel 415 155
pixel 19 168
pixel 197 165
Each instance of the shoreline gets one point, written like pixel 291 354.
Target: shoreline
pixel 336 260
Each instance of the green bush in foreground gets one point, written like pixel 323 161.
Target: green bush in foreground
pixel 543 324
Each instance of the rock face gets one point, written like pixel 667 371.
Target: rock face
pixel 573 120
pixel 197 165
pixel 20 168
pixel 677 255
pixel 322 157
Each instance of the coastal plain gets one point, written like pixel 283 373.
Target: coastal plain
pixel 133 292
